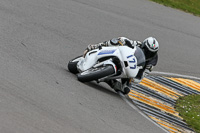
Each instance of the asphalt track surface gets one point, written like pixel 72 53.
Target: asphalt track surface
pixel 39 37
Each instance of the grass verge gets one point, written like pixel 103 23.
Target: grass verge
pixel 189 109
pixel 191 6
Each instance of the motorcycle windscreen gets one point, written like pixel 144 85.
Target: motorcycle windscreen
pixel 139 54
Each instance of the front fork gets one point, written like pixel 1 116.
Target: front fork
pixel 104 63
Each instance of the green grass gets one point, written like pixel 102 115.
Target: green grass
pixel 189 109
pixel 191 6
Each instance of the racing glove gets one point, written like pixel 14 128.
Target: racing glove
pixel 137 43
pixel 92 47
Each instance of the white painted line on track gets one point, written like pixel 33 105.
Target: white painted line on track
pixel 174 74
pixel 139 111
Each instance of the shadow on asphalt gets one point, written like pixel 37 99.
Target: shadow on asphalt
pixel 101 87
pixel 97 86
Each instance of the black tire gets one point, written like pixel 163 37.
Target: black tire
pixel 72 65
pixel 97 73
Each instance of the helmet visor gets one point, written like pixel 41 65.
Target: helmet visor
pixel 149 54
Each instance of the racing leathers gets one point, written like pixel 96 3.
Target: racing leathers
pixel 123 41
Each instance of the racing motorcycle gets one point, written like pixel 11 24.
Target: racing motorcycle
pixel 107 63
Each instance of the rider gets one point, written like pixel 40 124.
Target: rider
pixel 150 48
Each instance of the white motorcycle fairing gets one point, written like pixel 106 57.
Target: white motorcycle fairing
pixel 125 54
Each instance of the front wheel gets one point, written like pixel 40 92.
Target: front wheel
pixel 95 73
pixel 72 65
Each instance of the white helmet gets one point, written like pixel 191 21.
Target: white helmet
pixel 152 44
pixel 150 47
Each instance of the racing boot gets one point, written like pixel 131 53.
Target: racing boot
pixel 117 86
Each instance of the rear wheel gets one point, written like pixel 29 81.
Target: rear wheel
pixel 72 65
pixel 95 73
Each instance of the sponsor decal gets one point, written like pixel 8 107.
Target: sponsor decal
pixel 107 52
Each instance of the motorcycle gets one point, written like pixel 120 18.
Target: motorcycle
pixel 106 63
